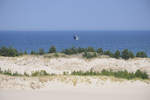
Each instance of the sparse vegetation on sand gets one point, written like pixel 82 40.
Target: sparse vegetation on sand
pixel 119 74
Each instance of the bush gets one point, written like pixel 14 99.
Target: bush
pixel 25 52
pixel 10 52
pixel 39 73
pixel 56 55
pixel 80 50
pixel 125 54
pixel 140 74
pixel 90 49
pixel 33 52
pixel 117 54
pixel 89 55
pixel 100 51
pixel 52 49
pixel 118 74
pixel 70 51
pixel 141 54
pixel 41 51
pixel 109 53
pixel 131 55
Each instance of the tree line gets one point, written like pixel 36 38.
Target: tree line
pixel 88 52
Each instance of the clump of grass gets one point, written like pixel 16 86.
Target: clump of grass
pixel 8 72
pixel 89 55
pixel 40 73
pixel 119 74
pixel 56 55
pixel 25 74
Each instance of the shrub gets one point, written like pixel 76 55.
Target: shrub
pixel 56 55
pixel 131 55
pixel 118 74
pixel 10 52
pixel 25 52
pixel 89 55
pixel 70 51
pixel 109 53
pixel 141 54
pixel 80 50
pixel 100 51
pixel 52 49
pixel 141 74
pixel 33 52
pixel 125 54
pixel 41 51
pixel 90 49
pixel 117 54
pixel 39 73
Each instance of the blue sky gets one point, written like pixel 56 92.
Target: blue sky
pixel 74 15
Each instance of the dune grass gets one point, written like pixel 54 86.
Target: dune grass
pixel 118 74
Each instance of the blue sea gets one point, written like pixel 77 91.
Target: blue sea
pixel 108 40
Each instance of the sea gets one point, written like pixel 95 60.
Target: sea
pixel 108 40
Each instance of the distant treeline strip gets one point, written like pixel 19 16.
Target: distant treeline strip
pixel 89 52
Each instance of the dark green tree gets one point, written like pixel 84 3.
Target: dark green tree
pixel 109 53
pixel 41 51
pixel 141 54
pixel 100 51
pixel 33 52
pixel 52 49
pixel 125 54
pixel 131 54
pixel 10 52
pixel 25 52
pixel 90 49
pixel 117 54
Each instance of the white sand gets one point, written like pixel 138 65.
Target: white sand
pixel 78 94
pixel 72 88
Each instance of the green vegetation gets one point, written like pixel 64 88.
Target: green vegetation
pixel 141 54
pixel 117 54
pixel 9 52
pixel 52 49
pixel 118 74
pixel 126 54
pixel 56 55
pixel 41 51
pixel 40 73
pixel 8 72
pixel 90 49
pixel 25 52
pixel 89 54
pixel 100 51
pixel 108 53
pixel 86 52
pixel 33 52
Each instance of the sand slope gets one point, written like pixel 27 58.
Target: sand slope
pixel 59 65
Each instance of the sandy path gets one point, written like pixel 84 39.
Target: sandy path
pixel 78 94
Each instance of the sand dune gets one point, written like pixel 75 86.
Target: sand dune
pixel 59 65
pixel 72 87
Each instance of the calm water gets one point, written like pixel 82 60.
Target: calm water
pixel 108 40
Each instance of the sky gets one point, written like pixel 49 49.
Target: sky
pixel 44 15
